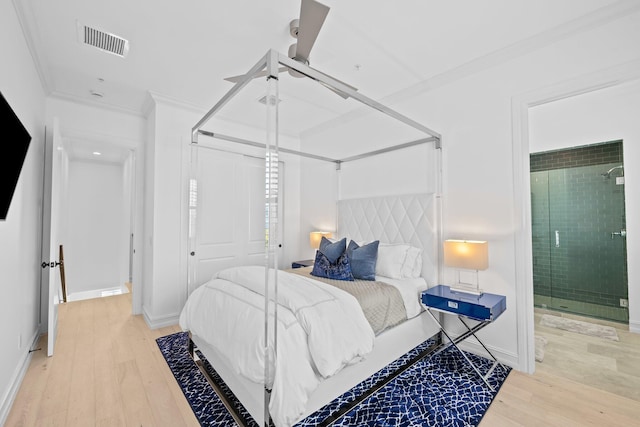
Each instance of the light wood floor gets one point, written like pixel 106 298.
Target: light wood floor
pixel 608 365
pixel 108 371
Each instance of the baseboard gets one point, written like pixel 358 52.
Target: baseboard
pixel 505 357
pixel 16 381
pixel 156 322
pixel 634 326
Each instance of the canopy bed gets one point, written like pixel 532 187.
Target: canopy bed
pixel 285 342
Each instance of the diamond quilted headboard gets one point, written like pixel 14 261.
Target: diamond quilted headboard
pixel 395 219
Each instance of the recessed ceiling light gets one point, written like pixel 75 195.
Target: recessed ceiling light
pixel 97 153
pixel 272 100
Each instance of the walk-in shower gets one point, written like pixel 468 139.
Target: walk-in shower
pixel 579 231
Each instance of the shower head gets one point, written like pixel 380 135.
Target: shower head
pixel 607 174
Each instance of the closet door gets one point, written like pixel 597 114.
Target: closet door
pixel 254 246
pixel 227 213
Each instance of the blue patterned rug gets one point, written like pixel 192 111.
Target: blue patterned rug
pixel 440 390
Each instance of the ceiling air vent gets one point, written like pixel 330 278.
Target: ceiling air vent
pixel 103 40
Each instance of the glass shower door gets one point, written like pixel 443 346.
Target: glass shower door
pixel 580 218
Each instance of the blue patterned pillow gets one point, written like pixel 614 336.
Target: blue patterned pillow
pixel 332 250
pixel 363 260
pixel 340 270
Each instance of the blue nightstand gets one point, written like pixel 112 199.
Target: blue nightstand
pixel 483 309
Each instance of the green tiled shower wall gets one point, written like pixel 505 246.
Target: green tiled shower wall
pixel 570 195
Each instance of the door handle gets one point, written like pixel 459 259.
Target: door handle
pixel 621 233
pixel 557 238
pixel 54 264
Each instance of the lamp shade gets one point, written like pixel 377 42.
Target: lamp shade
pixel 467 254
pixel 316 236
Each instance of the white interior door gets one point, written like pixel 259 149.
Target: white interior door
pixel 254 211
pixel 227 213
pixel 54 282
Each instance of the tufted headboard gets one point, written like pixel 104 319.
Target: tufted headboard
pixel 408 219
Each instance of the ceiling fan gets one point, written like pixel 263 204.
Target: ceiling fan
pixel 305 29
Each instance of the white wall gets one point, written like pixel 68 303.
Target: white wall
pixel 20 232
pixel 164 239
pixel 127 212
pixel 318 197
pixel 604 115
pixel 406 171
pixel 148 210
pixel 474 116
pixel 96 239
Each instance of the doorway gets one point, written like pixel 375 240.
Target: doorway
pixel 617 114
pixel 61 151
pixel 97 219
pixel 97 226
pixel 578 227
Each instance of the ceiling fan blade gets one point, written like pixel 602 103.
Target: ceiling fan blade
pixel 312 16
pixel 337 91
pixel 236 79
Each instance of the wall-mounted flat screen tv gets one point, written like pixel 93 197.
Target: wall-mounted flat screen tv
pixel 14 143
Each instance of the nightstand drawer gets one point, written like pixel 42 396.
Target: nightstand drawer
pixel 480 307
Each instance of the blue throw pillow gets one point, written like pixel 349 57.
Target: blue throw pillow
pixel 332 250
pixel 363 260
pixel 340 270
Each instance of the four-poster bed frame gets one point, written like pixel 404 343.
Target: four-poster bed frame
pixel 271 64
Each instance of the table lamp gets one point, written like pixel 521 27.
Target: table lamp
pixel 468 256
pixel 316 236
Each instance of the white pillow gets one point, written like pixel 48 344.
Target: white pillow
pixel 390 260
pixel 412 266
pixel 417 267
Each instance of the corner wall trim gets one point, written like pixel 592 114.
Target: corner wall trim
pixel 157 322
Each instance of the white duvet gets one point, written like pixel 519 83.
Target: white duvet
pixel 321 329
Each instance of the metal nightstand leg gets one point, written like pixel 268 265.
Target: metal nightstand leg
pixel 495 360
pixel 470 331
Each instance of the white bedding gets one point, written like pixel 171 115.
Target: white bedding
pixel 410 290
pixel 319 326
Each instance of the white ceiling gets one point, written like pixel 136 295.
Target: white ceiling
pixel 182 50
pixel 93 151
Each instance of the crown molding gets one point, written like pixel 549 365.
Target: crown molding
pixel 97 104
pixel 158 98
pixel 74 135
pixel 148 105
pixel 27 23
